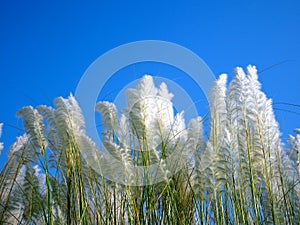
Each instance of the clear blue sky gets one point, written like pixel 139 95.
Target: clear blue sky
pixel 45 46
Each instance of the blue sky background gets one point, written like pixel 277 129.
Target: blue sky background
pixel 45 47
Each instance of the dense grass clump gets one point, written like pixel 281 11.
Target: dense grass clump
pixel 239 174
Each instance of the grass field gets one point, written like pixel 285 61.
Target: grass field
pixel 241 173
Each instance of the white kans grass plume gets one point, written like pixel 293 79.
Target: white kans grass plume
pixel 239 174
pixel 146 133
pixel 150 112
pixel 294 142
pixel 17 150
pixel 33 124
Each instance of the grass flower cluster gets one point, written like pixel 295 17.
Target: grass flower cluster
pixel 241 173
